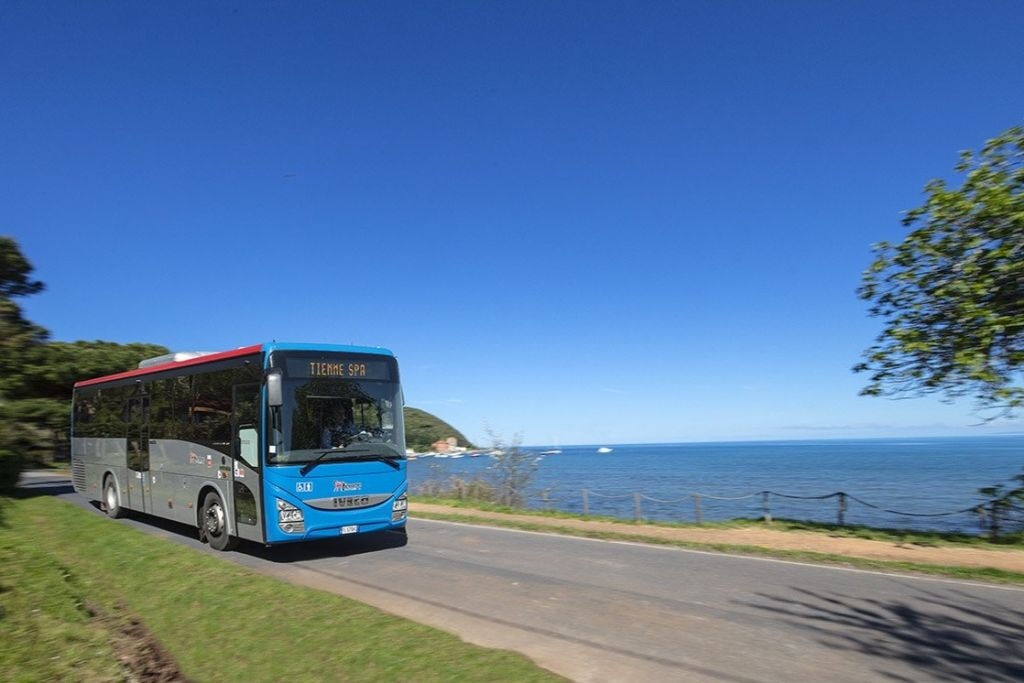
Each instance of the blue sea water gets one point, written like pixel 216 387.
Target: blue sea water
pixel 922 475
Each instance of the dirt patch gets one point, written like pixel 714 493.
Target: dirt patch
pixel 951 556
pixel 142 656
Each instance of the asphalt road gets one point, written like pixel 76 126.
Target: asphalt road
pixel 597 610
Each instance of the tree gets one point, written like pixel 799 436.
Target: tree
pixel 15 270
pixel 511 470
pixel 41 388
pixel 18 336
pixel 37 376
pixel 951 294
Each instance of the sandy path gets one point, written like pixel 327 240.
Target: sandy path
pixel 959 556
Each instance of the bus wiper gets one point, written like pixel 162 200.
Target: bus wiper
pixel 345 443
pixel 389 459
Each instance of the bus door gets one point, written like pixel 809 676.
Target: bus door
pixel 140 488
pixel 245 461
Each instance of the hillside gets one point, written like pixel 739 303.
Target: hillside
pixel 423 429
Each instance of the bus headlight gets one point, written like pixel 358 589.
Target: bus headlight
pixel 289 517
pixel 401 503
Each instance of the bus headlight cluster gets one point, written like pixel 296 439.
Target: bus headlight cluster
pixel 289 517
pixel 399 508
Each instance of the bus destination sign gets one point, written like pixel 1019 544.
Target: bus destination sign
pixel 338 368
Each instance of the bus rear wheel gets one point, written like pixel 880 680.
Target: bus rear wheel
pixel 110 499
pixel 214 519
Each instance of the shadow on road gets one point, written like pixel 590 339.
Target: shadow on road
pixel 43 487
pixel 941 637
pixel 292 552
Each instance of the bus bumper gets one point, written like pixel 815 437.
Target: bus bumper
pixel 320 524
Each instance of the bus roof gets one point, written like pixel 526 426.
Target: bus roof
pixel 241 351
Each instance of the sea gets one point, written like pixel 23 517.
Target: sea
pixel 905 483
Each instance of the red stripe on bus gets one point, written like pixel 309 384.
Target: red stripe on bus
pixel 245 351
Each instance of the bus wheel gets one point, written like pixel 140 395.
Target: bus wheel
pixel 214 519
pixel 110 499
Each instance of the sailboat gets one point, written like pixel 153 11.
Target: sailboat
pixel 604 449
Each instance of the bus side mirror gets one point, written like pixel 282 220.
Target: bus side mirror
pixel 275 393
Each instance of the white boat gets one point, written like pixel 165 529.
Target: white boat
pixel 553 451
pixel 604 449
pixel 455 455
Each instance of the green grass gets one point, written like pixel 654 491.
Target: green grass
pixel 217 620
pixel 46 632
pixel 903 536
pixel 973 573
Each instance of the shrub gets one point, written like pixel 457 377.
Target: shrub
pixel 458 488
pixel 11 464
pixel 511 471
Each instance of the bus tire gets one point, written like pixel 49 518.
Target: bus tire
pixel 110 499
pixel 214 518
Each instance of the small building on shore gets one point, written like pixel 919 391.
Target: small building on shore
pixel 449 445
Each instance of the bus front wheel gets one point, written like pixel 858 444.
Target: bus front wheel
pixel 110 499
pixel 214 519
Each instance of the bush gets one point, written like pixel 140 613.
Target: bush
pixel 11 463
pixel 457 488
pixel 511 471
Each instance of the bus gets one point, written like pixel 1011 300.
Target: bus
pixel 272 443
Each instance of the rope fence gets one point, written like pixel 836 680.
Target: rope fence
pixel 991 515
pixel 843 500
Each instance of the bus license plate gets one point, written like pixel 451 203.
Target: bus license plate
pixel 349 529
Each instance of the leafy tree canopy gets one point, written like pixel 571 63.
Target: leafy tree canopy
pixel 52 369
pixel 36 376
pixel 951 294
pixel 15 271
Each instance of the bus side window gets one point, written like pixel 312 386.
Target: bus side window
pixel 248 442
pixel 244 418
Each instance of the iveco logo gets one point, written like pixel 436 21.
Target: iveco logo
pixel 346 486
pixel 351 502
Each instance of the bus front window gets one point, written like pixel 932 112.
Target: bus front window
pixel 324 413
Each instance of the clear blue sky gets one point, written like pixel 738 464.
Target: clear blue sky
pixel 588 222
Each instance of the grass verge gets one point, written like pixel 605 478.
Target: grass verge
pixel 973 573
pixel 71 580
pixel 906 536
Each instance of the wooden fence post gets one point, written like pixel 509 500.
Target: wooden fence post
pixel 841 512
pixel 638 505
pixel 764 507
pixel 586 503
pixel 697 513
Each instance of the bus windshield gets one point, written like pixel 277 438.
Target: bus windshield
pixel 343 404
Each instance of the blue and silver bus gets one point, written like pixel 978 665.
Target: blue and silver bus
pixel 270 443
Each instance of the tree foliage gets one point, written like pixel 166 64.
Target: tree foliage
pixel 15 271
pixel 511 470
pixel 951 294
pixel 37 376
pixel 52 369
